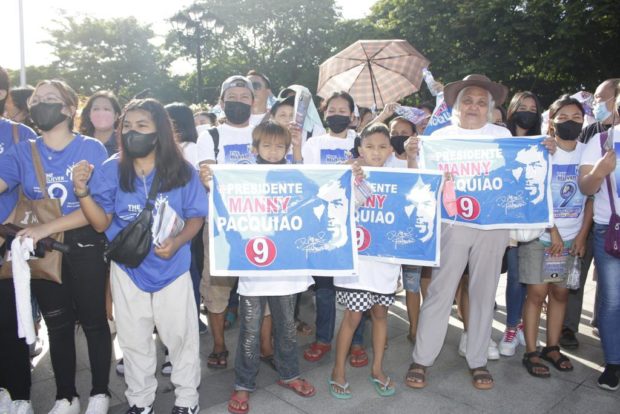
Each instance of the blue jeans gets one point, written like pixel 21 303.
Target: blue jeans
pixel 326 313
pixel 608 296
pixel 247 359
pixel 515 290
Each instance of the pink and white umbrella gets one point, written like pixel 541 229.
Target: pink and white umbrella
pixel 374 72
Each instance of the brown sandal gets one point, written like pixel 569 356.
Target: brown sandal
pixel 479 376
pixel 416 376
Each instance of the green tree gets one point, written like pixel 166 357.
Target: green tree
pixel 116 54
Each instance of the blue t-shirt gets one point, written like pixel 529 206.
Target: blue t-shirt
pixel 189 201
pixel 17 168
pixel 8 199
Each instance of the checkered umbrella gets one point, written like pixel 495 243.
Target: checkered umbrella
pixel 374 72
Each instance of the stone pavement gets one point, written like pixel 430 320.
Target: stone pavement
pixel 449 387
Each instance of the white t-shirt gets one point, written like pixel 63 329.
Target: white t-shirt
pixel 394 162
pixel 235 145
pixel 489 130
pixel 568 202
pixel 373 276
pixel 190 152
pixel 326 149
pixel 273 285
pixel 256 119
pixel 591 154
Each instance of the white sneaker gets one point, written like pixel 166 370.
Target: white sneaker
pixel 520 334
pixel 463 344
pixel 21 407
pixel 492 352
pixel 5 401
pixel 98 404
pixel 65 407
pixel 510 341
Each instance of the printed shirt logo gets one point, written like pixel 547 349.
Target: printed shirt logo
pixel 238 154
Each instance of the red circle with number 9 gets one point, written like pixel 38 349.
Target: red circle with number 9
pixel 363 238
pixel 468 207
pixel 261 251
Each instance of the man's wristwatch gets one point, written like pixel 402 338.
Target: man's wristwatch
pixel 82 194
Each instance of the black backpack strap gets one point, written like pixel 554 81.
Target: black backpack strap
pixel 215 134
pixel 152 193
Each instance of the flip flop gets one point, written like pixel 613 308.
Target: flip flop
pixel 316 351
pixel 296 386
pixel 382 388
pixel 240 403
pixel 345 395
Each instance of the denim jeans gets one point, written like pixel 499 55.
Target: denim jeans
pixel 247 359
pixel 608 296
pixel 515 290
pixel 326 313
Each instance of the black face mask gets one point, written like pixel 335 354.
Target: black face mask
pixel 338 123
pixel 261 160
pixel 398 142
pixel 139 145
pixel 237 113
pixel 568 130
pixel 526 119
pixel 47 115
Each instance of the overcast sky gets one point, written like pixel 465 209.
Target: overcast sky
pixel 39 14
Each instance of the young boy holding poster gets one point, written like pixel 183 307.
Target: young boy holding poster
pixel 373 289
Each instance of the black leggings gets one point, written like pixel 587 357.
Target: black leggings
pixel 14 353
pixel 80 297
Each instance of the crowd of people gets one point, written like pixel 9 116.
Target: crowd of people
pixel 124 162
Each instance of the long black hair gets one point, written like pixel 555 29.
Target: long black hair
pixel 172 169
pixel 513 107
pixel 183 121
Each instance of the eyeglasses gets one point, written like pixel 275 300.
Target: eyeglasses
pixel 49 98
pixel 257 86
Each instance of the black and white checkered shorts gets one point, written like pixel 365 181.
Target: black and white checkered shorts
pixel 361 300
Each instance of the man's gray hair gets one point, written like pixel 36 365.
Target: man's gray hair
pixel 456 113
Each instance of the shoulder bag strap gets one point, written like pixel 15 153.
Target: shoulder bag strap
pixel 610 191
pixel 153 192
pixel 38 168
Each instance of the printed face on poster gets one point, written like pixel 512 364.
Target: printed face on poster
pixel 499 182
pixel 282 220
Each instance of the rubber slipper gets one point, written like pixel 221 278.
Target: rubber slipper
pixel 382 388
pixel 217 360
pixel 297 385
pixel 316 351
pixel 415 379
pixel 479 375
pixel 345 395
pixel 240 403
pixel 358 357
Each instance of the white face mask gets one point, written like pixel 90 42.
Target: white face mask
pixel 600 111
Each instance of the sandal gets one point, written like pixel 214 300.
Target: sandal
pixel 316 351
pixel 217 360
pixel 557 363
pixel 344 395
pixel 303 328
pixel 416 376
pixel 358 357
pixel 299 386
pixel 532 366
pixel 242 404
pixel 269 360
pixel 481 378
pixel 383 388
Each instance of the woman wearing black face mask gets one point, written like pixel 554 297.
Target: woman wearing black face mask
pixel 159 290
pixel 566 241
pixel 81 296
pixel 524 115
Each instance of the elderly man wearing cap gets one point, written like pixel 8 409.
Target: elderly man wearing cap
pixel 229 143
pixel 472 101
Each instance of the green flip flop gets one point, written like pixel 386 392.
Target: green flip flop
pixel 345 395
pixel 383 389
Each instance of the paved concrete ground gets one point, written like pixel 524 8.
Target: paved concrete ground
pixel 449 387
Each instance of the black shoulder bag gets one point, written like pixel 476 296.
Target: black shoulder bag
pixel 133 243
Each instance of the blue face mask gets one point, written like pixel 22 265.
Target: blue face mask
pixel 600 111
